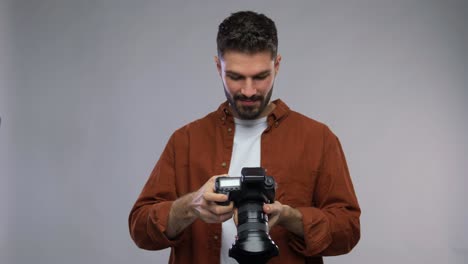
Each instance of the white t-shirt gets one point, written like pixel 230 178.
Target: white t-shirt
pixel 245 153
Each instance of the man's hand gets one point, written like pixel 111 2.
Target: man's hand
pixel 275 213
pixel 200 204
pixel 283 215
pixel 204 205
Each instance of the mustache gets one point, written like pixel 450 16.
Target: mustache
pixel 242 97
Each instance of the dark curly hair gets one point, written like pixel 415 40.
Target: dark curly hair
pixel 247 32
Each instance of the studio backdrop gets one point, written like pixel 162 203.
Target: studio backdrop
pixel 90 92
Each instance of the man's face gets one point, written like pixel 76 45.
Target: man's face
pixel 248 81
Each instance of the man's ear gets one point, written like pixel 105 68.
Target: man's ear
pixel 277 63
pixel 218 64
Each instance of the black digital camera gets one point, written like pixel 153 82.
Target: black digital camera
pixel 249 192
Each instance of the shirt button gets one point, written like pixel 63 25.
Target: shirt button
pixel 223 118
pixel 215 237
pixel 229 129
pixel 276 123
pixel 223 164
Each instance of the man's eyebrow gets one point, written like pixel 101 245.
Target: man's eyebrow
pixel 265 72
pixel 232 73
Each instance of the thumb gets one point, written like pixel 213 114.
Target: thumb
pixel 234 216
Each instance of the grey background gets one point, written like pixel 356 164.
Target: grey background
pixel 90 91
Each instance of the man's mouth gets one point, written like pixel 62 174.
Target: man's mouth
pixel 248 102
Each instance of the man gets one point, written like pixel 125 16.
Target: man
pixel 316 212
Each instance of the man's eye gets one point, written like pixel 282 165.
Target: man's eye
pixel 235 78
pixel 263 77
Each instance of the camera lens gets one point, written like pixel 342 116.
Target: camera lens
pixel 253 244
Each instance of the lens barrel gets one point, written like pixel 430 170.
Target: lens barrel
pixel 253 243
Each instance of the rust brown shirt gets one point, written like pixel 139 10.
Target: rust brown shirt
pixel 304 157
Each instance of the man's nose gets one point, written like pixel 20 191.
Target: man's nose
pixel 248 90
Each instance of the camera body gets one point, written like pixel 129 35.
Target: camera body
pixel 249 193
pixel 253 185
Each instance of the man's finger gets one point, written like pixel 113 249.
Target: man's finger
pixel 210 217
pixel 269 208
pixel 220 209
pixel 272 208
pixel 235 216
pixel 215 197
pixel 225 216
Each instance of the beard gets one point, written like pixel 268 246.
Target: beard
pixel 248 112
